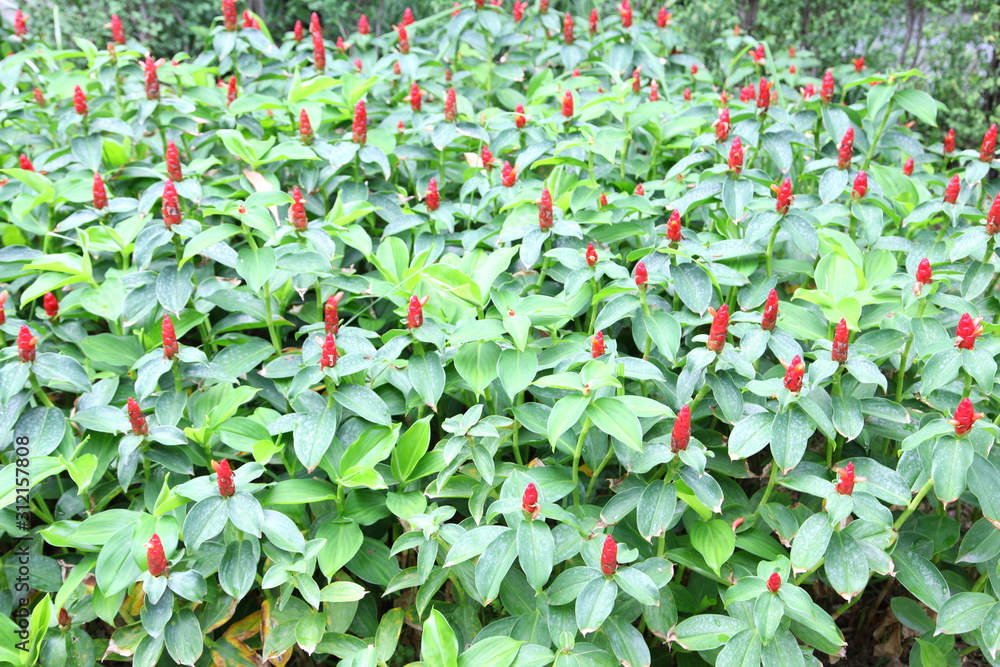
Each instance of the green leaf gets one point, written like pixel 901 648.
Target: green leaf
pixel 490 652
pixel 963 612
pixel 715 541
pixel 517 370
pixel 595 603
pixel 614 418
pixel 184 638
pixel 655 509
pixel 535 551
pixel 846 566
pixel 438 645
pixel 363 402
pixel 919 576
pixel 476 362
pixel 410 449
pixel 790 433
pixel 255 265
pixel 707 631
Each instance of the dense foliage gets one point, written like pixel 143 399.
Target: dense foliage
pixel 508 337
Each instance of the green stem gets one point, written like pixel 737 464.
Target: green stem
pixel 770 487
pixel 805 575
pixel 178 381
pixel 593 480
pixel 700 395
pixel 878 135
pixel 39 392
pixel 917 499
pixel 901 376
pixel 577 453
pixel 593 306
pixel 271 329
pixel 770 249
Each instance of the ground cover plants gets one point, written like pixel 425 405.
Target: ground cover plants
pixel 509 337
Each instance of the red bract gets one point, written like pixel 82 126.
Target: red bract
pixel 331 315
pixel 923 275
pixel 654 90
pixel 319 47
pixel 229 14
pixel 415 97
pixel 722 125
pixel 860 185
pixel 329 355
pixel 720 327
pixel 639 190
pixel 785 197
pixel 529 500
pixel 305 128
pixel 100 193
pixel 791 69
pixel 591 255
pixel 79 101
pixel 952 190
pixel 363 27
pixel 826 90
pixel 567 104
pixel 156 560
pixel 758 54
pixel 637 80
pixel 519 118
pixel 51 305
pixel 602 201
pixel 407 16
pixel 846 479
pixel 170 347
pixel 25 162
pixel 993 217
pixel 39 97
pixel 965 416
pixel 568 28
pixel 989 146
pixel 967 331
pixel 736 156
pixel 846 150
pixel 359 127
pixel 3 303
pixel 171 208
pixel 641 275
pixel 152 81
pixel 764 94
pixel 681 434
pixel 770 317
pixel 793 374
pixel 415 312
pixel 486 157
pixel 609 556
pixel 298 32
pixel 135 418
pixel 545 210
pixel 26 344
pixel 808 91
pixel 663 18
pixel 543 6
pixel 674 226
pixel 687 94
pixel 231 93
pixel 433 199
pixel 593 21
pixel 597 345
pixel 625 11
pixel 774 582
pixel 908 168
pixel 859 63
pixel 341 45
pixel 224 478
pixel 694 70
pixel 747 93
pixel 518 12
pixel 297 211
pixel 117 31
pixel 20 24
pixel 949 142
pixel 840 346
pixel 173 160
pixel 508 175
pixel 404 38
pixel 250 21
pixel 450 105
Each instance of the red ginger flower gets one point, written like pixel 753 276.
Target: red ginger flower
pixel 952 190
pixel 846 479
pixel 993 217
pixel 602 201
pixel 518 12
pixel 229 14
pixel 674 226
pixel 3 303
pixel 808 91
pixel 520 120
pixel 136 418
pixel 791 69
pixel 568 28
pixel 641 275
pixel 793 374
pixel 297 211
pixel 117 31
pixel 341 44
pixel 305 128
pixel 26 344
pixel 415 312
pixel 625 11
pixel 152 81
pixel 567 104
pixel 720 327
pixel 457 7
pixel 363 27
pixel 156 560
pixel 331 316
pixel 545 210
pixel 609 553
pixel 39 97
pixel 486 157
pixel 543 6
pixel 859 63
pixel 722 125
pixel 328 358
pixel 20 24
pixel 450 105
pixel 967 331
pixel 654 90
pixel 591 255
pixel 681 434
pixel 860 185
pixel 949 142
pixel 231 93
pixel 637 80
pixel 433 198
pixel 416 97
pixel 593 22
pixel 785 197
pixel 298 32
pixel 747 93
pixel 687 94
pixel 529 500
pixel 663 18
pixel 908 168
pixel 224 478
pixel 25 162
pixel 51 305
pixel 100 192
pixel 639 190
pixel 923 275
pixel 846 150
pixel 357 65
pixel 764 94
pixel 319 47
pixel 736 156
pixel 250 21
pixel 770 317
pixel 826 90
pixel 989 146
pixel 171 208
pixel 840 346
pixel 758 55
pixel 965 416
pixel 508 175
pixel 360 125
pixel 597 345
pixel 774 582
pixel 79 101
pixel 173 160
pixel 404 38
pixel 170 347
pixel 407 16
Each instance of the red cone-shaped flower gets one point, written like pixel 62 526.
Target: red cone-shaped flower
pixel 20 23
pixel 993 217
pixel 305 128
pixel 770 317
pixel 171 208
pixel 674 226
pixel 785 197
pixel 415 312
pixel 859 63
pixel 662 18
pixel 328 358
pixel 331 316
pixel 170 347
pixel 156 560
pixel 100 193
pixel 923 275
pixel 609 553
pixel 545 210
pixel 639 190
pixel 908 168
pixel 403 37
pixel 793 374
pixel 117 31
pixel 363 27
pixel 860 185
pixel 774 582
pixel 224 478
pixel 407 16
pixel 597 345
pixel 432 199
pixel 298 32
pixel 297 211
pixel 965 416
pixel 840 346
pixel 231 91
pixel 518 12
pixel 568 28
pixel 846 150
pixel 450 105
pixel 319 47
pixel 51 305
pixel 26 344
pixel 687 94
pixel 567 104
pixel 229 14
pixel 654 90
pixel 25 163
pixel 967 331
pixel 681 434
pixel 719 329
pixel 39 97
pixel 625 11
pixel 722 125
pixel 529 500
pixel 152 80
pixel 543 6
pixel 736 156
pixel 637 79
pixel 508 175
pixel 136 418
pixel 173 160
pixel 519 118
pixel 416 97
pixel 826 90
pixel 360 125
pixel 641 275
pixel 487 158
pixel 951 192
pixel 593 22
pixel 846 479
pixel 79 101
pixel 764 94
pixel 3 303
pixel 989 146
pixel 591 255
pixel 949 142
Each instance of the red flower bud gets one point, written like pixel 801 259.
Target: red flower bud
pixel 663 18
pixel 25 163
pixel 173 160
pixel 637 80
pixel 331 316
pixel 840 346
pixel 156 560
pixel 641 275
pixel 152 81
pixel 297 211
pixel 609 554
pixel 26 344
pixel 989 146
pixel 415 312
pixel 593 22
pixel 859 63
pixel 433 199
pixel 298 32
pixel 229 14
pixel 681 434
pixel 965 416
pixel 357 65
pixel 860 185
pixel 602 201
pixel 567 104
pixel 136 418
pixel 328 359
pixel 404 38
pixel 224 478
pixel 654 90
pixel 508 175
pixel 687 94
pixel 808 91
pixel 967 331
pixel 591 255
pixel 674 226
pixel 791 69
pixel 952 190
pixel 785 197
pixel 117 31
pixel 545 210
pixel 826 90
pixel 100 193
pixel 79 101
pixel 764 96
pixel 758 54
pixel 360 124
pixel 39 97
pixel 407 16
pixel 774 582
pixel 747 93
pixel 518 12
pixel 568 28
pixel 639 190
pixel 3 303
pixel 450 105
pixel 923 275
pixel 20 24
pixel 719 329
pixel 993 217
pixel 529 500
pixel 625 11
pixel 363 28
pixel 170 208
pixel 341 45
pixel 949 142
pixel 415 97
pixel 231 92
pixel 170 347
pixel 908 168
pixel 793 374
pixel 770 317
pixel 722 125
pixel 597 345
pixel 64 618
pixel 543 6
pixel 846 150
pixel 736 156
pixel 305 128
pixel 51 305
pixel 846 479
pixel 486 157
pixel 319 46
pixel 576 72
pixel 520 120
